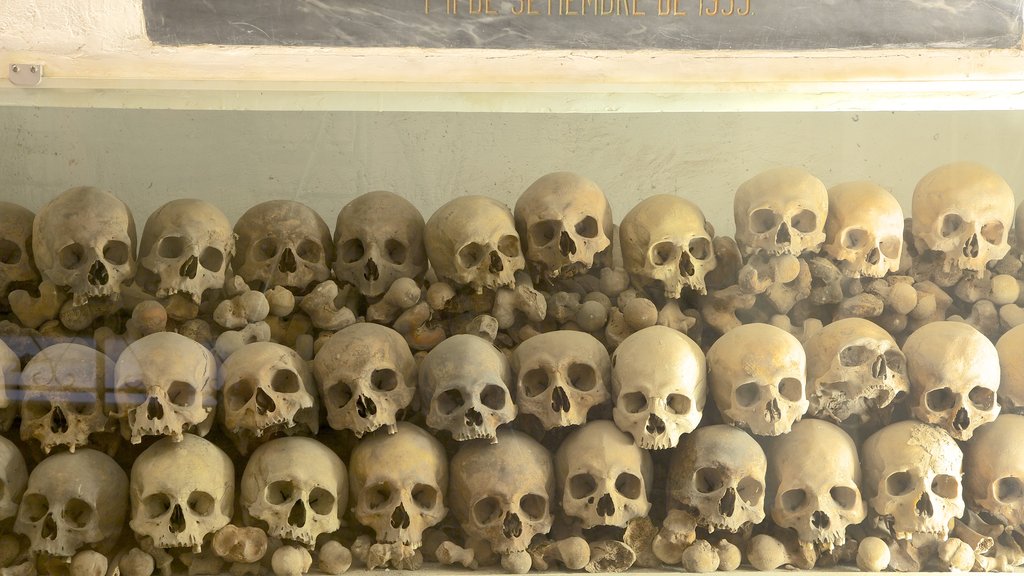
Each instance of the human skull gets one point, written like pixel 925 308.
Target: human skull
pixel 717 473
pixel 10 380
pixel 181 492
pixel 602 477
pixel 13 481
pixel 864 229
pixel 954 377
pixel 855 373
pixel 472 241
pixel 781 211
pixel 560 376
pixel 814 477
pixel 73 501
pixel 366 374
pixel 1011 370
pixel 185 248
pixel 912 479
pixel 63 390
pixel 994 461
pixel 659 386
pixel 398 482
pixel 297 487
pixel 757 374
pixel 17 268
pixel 565 223
pixel 379 239
pixel 84 240
pixel 464 385
pixel 164 385
pixel 965 211
pixel 267 389
pixel 283 243
pixel 667 243
pixel 502 493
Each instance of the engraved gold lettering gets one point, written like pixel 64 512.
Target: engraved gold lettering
pixel 670 8
pixel 569 10
pixel 746 9
pixel 731 9
pixel 713 11
pixel 636 10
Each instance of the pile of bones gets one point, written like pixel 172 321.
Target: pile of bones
pixel 525 388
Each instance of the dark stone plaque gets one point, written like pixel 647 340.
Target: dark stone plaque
pixel 591 24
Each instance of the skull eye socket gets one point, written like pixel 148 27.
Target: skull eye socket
pixel 424 496
pixel 633 402
pixel 156 505
pixel 201 503
pixel 707 480
pixel 471 254
pixel 747 394
pixel 982 398
pixel 35 507
pixel 264 250
pixel 582 377
pixel 582 485
pixel 899 483
pixel 384 379
pixel 587 227
pixel 82 408
pixel 487 511
pixel 791 389
pixel 793 500
pixel 951 225
pixel 10 253
pixel 699 248
pixel 894 360
pixel 77 512
pixel 946 486
pixel 762 220
pixel 662 253
pixel 237 395
pixel 377 496
pixel 855 355
pixel 534 506
pixel 449 401
pixel 321 501
pixel 493 396
pixel 36 407
pixel 116 252
pixel 395 251
pixel 1009 490
pixel 891 247
pixel 351 250
pixel 71 256
pixel 629 485
pixel 285 382
pixel 340 394
pixel 534 382
pixel 940 399
pixel 993 232
pixel 844 496
pixel 171 247
pixel 805 221
pixel 855 238
pixel 211 259
pixel 181 393
pixel 509 246
pixel 678 404
pixel 750 490
pixel 309 251
pixel 545 231
pixel 279 492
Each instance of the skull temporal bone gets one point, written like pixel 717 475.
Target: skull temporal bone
pixel 994 457
pixel 781 211
pixel 864 229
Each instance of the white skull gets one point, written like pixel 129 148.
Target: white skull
pixel 912 479
pixel 366 375
pixel 717 473
pixel 560 376
pixel 565 222
pixel 296 487
pixel 954 377
pixel 464 384
pixel 994 461
pixel 659 386
pixel 185 248
pixel 502 493
pixel 267 389
pixel 757 374
pixel 74 500
pixel 398 482
pixel 855 373
pixel 1011 370
pixel 181 492
pixel 13 481
pixel 283 243
pixel 84 240
pixel 17 268
pixel 603 478
pixel 379 239
pixel 10 380
pixel 814 474
pixel 666 242
pixel 63 390
pixel 781 211
pixel 164 385
pixel 965 211
pixel 864 229
pixel 472 241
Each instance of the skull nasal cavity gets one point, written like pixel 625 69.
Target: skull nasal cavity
pixel 297 517
pixel 686 265
pixel 728 504
pixel 962 420
pixel 783 237
pixel 98 274
pixel 365 407
pixel 873 256
pixel 189 268
pixel 474 418
pixel 264 403
pixel 154 410
pixel 512 527
pixel 820 520
pixel 605 506
pixel 566 245
pixel 49 531
pixel 924 506
pixel 287 262
pixel 878 368
pixel 400 518
pixel 371 274
pixel 774 413
pixel 177 520
pixel 58 421
pixel 496 265
pixel 971 247
pixel 559 399
pixel 655 425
